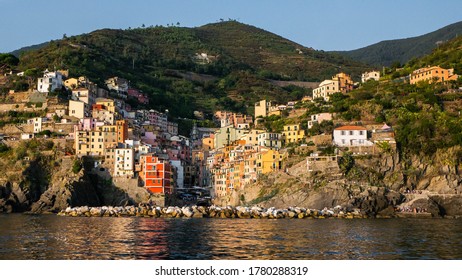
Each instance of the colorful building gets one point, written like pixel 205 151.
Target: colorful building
pixel 292 133
pixel 339 83
pixel 156 174
pixel 433 74
pixel 268 161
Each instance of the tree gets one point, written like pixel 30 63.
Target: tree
pixel 346 162
pixel 8 59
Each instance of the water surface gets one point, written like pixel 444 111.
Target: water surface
pixel 54 237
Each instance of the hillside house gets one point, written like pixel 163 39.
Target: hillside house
pixel 50 81
pixel 372 75
pixel 433 74
pixel 318 118
pixel 351 135
pixel 292 133
pixel 339 83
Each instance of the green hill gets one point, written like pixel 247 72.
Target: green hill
pixel 241 58
pixel 386 52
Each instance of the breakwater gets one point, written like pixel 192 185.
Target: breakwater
pixel 239 212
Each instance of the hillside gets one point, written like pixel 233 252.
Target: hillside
pixel 423 171
pixel 403 50
pixel 447 55
pixel 240 56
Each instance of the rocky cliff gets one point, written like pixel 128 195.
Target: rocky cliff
pixel 48 184
pixel 381 185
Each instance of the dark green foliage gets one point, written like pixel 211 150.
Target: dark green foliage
pixel 161 61
pixel 76 166
pixel 8 60
pixel 396 52
pixel 326 127
pixel 3 148
pixel 346 163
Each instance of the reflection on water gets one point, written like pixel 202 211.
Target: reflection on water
pixel 53 237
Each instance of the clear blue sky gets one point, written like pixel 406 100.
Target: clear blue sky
pixel 323 25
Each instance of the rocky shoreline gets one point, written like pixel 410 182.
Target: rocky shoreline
pixel 239 212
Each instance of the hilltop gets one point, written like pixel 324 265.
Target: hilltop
pixel 385 53
pixel 238 60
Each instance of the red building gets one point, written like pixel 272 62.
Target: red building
pixel 156 174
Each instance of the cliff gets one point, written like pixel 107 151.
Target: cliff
pixel 377 185
pixel 47 183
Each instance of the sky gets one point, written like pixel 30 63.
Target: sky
pixel 322 25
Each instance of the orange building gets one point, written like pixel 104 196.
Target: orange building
pixel 433 74
pixel 345 83
pixel 156 174
pixel 122 131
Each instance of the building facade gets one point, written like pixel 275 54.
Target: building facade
pixel 351 136
pixel 433 74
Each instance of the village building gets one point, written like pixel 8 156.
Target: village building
pixel 351 135
pixel 270 140
pixel 50 81
pixel 372 75
pixel 124 161
pixel 339 83
pixel 292 133
pixel 319 118
pixel 156 174
pixel 433 74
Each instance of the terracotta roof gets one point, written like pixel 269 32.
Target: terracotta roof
pixel 351 127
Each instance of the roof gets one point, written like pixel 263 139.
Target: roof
pixel 350 127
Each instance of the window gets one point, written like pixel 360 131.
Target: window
pixel 342 132
pixel 351 132
pixel 361 132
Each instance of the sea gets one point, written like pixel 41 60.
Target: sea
pixel 50 237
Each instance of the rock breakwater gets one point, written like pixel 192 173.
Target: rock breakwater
pixel 239 212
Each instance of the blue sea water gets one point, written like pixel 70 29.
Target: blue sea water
pixel 52 237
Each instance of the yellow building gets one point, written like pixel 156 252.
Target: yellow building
pixel 268 161
pixel 208 143
pixel 292 133
pixel 89 143
pixel 252 137
pixel 108 104
pixel 345 82
pixel 110 143
pixel 262 108
pixel 433 74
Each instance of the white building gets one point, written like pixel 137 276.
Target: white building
pixel 326 89
pixel 37 123
pixel 351 135
pixel 124 162
pixel 373 75
pixel 270 140
pixel 318 118
pixel 50 81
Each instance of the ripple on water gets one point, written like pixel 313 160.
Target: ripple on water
pixel 53 237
